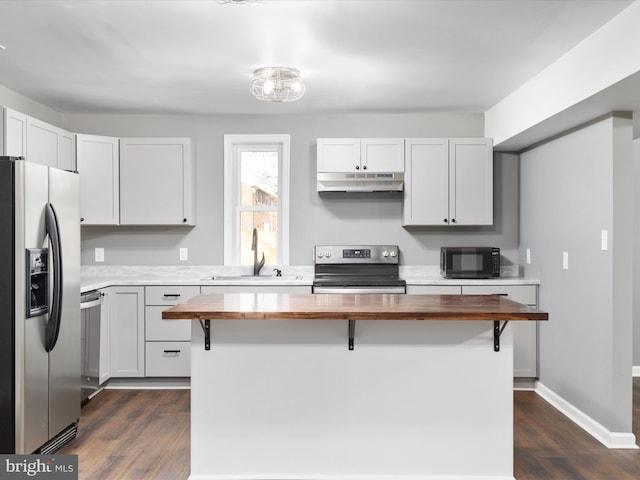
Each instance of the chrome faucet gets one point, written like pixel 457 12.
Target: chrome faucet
pixel 257 266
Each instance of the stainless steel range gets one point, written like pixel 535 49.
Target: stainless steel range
pixel 357 269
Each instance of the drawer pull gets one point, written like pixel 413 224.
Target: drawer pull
pixel 502 294
pixel 172 352
pixel 171 295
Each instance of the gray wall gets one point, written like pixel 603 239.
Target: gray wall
pixel 315 219
pixel 570 189
pixel 636 236
pixel 11 99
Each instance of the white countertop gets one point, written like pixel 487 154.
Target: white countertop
pixel 95 277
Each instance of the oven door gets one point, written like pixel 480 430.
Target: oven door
pixel 359 289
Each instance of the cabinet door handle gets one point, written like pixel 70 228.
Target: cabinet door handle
pixel 364 167
pixel 172 352
pixel 453 220
pixel 171 295
pixel 446 220
pixel 357 167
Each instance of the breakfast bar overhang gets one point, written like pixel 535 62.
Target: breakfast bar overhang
pixel 426 392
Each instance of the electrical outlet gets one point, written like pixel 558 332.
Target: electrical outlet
pixel 565 260
pixel 99 254
pixel 184 254
pixel 528 254
pixel 604 240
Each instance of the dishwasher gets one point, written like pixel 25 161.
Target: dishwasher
pixel 94 368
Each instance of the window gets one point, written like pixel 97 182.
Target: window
pixel 256 186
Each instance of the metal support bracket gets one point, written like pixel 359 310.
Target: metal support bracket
pixel 206 328
pixel 352 331
pixel 497 331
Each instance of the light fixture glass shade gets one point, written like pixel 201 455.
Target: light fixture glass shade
pixel 239 2
pixel 277 84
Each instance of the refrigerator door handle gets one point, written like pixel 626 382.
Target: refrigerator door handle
pixel 53 325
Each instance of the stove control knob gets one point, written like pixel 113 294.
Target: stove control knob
pixel 393 253
pixel 320 255
pixel 385 254
pixel 327 254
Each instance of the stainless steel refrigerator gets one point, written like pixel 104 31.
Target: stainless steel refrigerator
pixel 39 307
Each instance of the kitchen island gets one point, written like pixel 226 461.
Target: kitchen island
pixel 351 386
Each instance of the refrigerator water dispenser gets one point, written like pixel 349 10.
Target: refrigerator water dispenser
pixel 37 281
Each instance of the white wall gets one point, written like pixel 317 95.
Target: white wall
pixel 571 189
pixel 315 219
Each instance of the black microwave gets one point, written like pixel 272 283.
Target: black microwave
pixel 470 262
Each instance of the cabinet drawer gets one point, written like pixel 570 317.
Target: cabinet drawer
pixel 527 294
pixel 256 289
pixel 168 359
pixel 157 329
pixel 168 295
pixel 434 289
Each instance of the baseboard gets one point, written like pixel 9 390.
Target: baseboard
pixel 596 430
pixel 148 383
pixel 635 371
pixel 524 383
pixel 346 477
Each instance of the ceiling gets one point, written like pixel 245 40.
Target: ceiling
pixel 197 57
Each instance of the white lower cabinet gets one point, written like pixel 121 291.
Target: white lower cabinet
pixel 126 318
pixel 167 342
pixel 434 289
pixel 525 334
pixel 168 359
pixel 256 289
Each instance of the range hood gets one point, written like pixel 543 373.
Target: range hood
pixel 360 182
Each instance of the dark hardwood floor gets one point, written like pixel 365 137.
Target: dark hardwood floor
pixel 144 434
pixel 133 434
pixel 550 446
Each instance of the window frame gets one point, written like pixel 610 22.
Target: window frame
pixel 232 145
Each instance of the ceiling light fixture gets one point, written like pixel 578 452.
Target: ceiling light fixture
pixel 277 84
pixel 239 2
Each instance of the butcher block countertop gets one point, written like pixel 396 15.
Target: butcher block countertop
pixel 278 306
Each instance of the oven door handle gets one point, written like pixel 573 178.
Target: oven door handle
pixel 359 290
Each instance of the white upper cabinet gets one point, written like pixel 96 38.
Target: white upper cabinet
pixel 66 150
pixel 338 154
pixel 156 181
pixel 37 141
pixel 42 143
pixel 471 181
pixel 360 155
pixel 98 166
pixel 14 133
pixel 426 182
pixel 448 182
pixel 382 154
